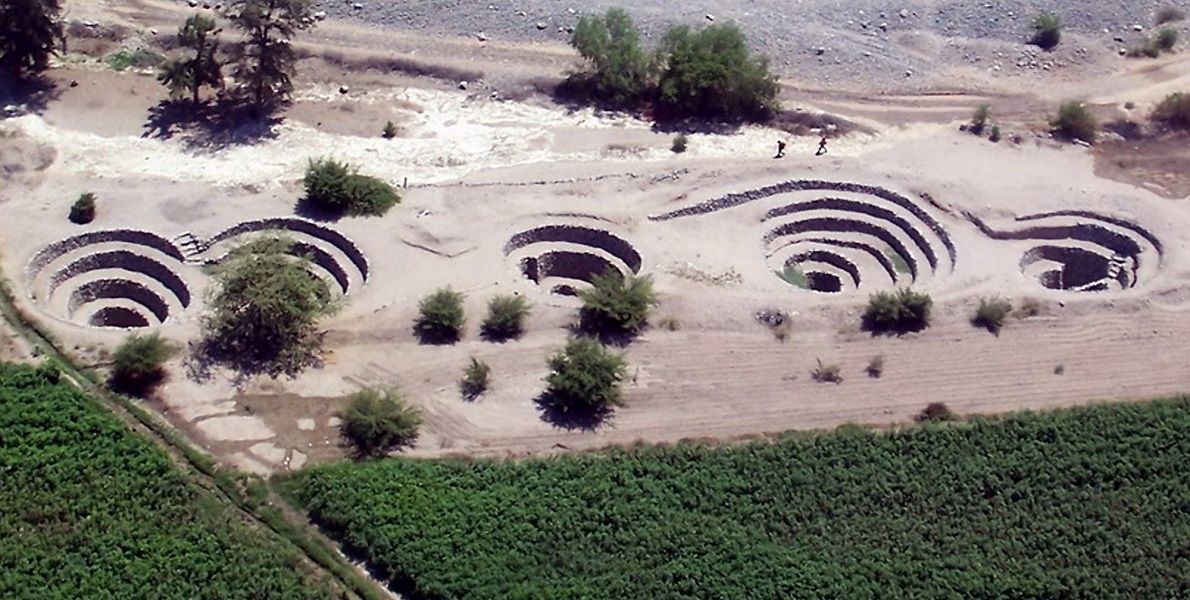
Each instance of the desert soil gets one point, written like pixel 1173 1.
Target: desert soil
pixel 483 164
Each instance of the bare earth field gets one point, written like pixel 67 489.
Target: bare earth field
pixel 521 196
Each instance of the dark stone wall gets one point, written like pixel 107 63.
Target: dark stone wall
pixel 125 260
pixel 310 228
pixel 579 235
pixel 118 288
pixel 801 185
pixel 843 225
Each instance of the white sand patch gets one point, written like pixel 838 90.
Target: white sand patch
pixel 452 134
pixel 268 451
pixel 297 460
pixel 235 428
pixel 245 463
pixel 194 412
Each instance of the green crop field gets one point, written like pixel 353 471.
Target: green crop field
pixel 1090 503
pixel 90 510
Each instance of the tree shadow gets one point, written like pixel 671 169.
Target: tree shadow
pixel 694 125
pixel 32 94
pixel 593 325
pixel 308 209
pixel 430 335
pixel 561 414
pixel 211 126
pixel 894 329
pixel 208 353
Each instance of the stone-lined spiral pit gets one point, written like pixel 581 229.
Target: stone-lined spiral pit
pixel 860 237
pixel 565 258
pixel 1080 251
pixel 119 317
pixel 119 278
pixel 835 244
pixel 331 255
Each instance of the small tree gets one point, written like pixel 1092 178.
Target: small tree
pixel 935 412
pixel 680 143
pixel 83 209
pixel 991 314
pixel 440 317
pixel 711 74
pixel 336 188
pixel 267 65
pixel 584 379
pixel 390 130
pixel 138 364
pixel 1166 39
pixel 476 378
pixel 979 120
pixel 1174 111
pixel 506 317
pixel 900 311
pixel 617 304
pixel 1075 122
pixel 378 420
pixel 264 310
pixel 827 373
pixel 620 69
pixel 1047 31
pixel 30 31
pixel 202 69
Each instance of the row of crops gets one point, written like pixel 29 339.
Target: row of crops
pixel 1091 503
pixel 90 510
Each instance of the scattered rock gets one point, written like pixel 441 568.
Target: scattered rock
pixel 357 6
pixel 540 25
pixel 193 3
pixel 344 89
pixel 320 15
pixel 710 17
pixel 463 85
pixel 483 37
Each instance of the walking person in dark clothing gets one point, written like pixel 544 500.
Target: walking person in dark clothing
pixel 821 146
pixel 780 149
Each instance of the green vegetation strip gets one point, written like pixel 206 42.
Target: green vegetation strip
pixel 91 510
pixel 231 488
pixel 1089 503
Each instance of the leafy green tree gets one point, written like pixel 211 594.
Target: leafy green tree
pixel 617 304
pixel 900 311
pixel 1075 122
pixel 584 379
pixel 476 378
pixel 379 420
pixel 336 188
pixel 620 68
pixel 266 68
pixel 30 31
pixel 265 308
pixel 1174 111
pixel 710 73
pixel 83 209
pixel 440 317
pixel 138 365
pixel 506 317
pixel 1047 31
pixel 202 69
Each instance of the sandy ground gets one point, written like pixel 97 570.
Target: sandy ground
pixel 479 170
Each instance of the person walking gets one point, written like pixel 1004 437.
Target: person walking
pixel 780 149
pixel 821 147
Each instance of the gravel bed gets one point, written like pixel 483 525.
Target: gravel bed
pixel 892 45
